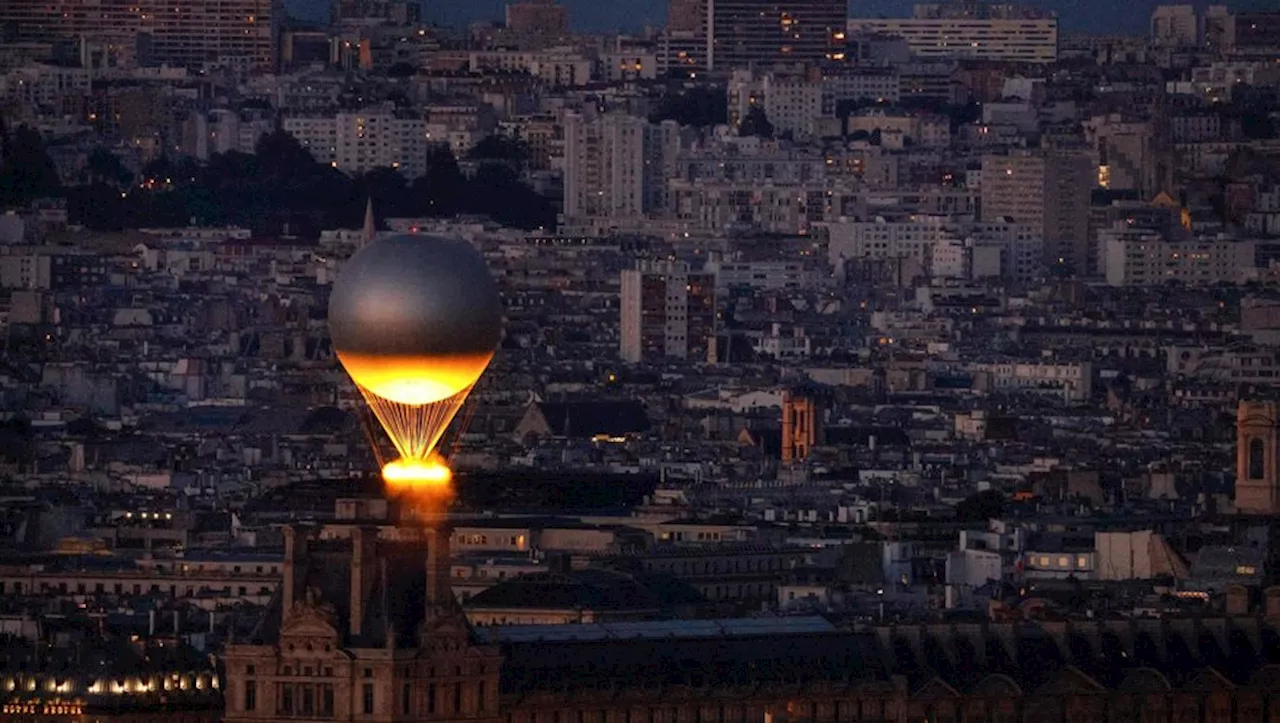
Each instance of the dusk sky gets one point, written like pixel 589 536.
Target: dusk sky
pixel 1093 16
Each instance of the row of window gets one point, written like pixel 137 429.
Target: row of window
pixel 16 587
pixel 316 700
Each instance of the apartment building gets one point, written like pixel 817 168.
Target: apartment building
pixel 950 248
pixel 668 311
pixel 1142 257
pixel 615 165
pixel 1048 190
pixel 193 33
pixel 1022 39
pixel 1175 26
pixel 798 104
pixel 1073 382
pixel 359 141
pixel 741 32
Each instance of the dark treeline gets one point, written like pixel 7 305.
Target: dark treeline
pixel 280 186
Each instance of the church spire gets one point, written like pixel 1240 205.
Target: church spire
pixel 370 228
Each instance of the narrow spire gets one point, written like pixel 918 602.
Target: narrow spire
pixel 366 236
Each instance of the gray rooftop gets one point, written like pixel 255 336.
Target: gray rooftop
pixel 657 629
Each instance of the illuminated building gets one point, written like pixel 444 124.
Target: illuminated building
pixel 191 33
pixel 108 680
pixel 801 426
pixel 741 32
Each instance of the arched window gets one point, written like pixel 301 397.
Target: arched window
pixel 1257 459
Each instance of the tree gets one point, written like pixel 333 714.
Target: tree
pixel 280 155
pixel 701 106
pixel 439 191
pixel 500 149
pixel 389 191
pixel 402 70
pixel 26 170
pixel 103 166
pixel 498 193
pixel 756 123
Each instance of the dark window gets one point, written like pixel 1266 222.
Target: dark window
pixel 405 694
pixel 480 695
pixel 286 698
pixel 308 700
pixel 431 698
pixel 326 701
pixel 251 693
pixel 457 697
pixel 368 698
pixel 1257 459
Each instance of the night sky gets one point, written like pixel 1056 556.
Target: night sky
pixel 1084 16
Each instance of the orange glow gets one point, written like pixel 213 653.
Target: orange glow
pixel 415 380
pixel 413 475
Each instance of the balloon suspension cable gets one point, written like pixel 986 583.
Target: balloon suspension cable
pixel 371 428
pixel 469 411
pixel 414 429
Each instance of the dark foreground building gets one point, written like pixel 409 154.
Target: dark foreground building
pixel 367 630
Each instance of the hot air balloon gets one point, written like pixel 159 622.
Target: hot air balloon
pixel 414 321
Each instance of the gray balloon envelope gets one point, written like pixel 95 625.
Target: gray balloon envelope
pixel 415 296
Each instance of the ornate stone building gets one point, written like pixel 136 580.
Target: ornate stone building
pixel 366 630
pixel 1257 469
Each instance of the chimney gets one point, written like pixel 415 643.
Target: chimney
pixel 364 551
pixel 439 593
pixel 295 558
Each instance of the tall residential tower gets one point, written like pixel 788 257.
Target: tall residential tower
pixel 668 311
pixel 190 33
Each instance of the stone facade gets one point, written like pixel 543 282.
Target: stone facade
pixel 1257 468
pixel 318 662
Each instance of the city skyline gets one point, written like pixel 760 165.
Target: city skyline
pixel 1076 16
pixel 769 368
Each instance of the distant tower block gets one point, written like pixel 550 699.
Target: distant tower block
pixel 800 421
pixel 1257 481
